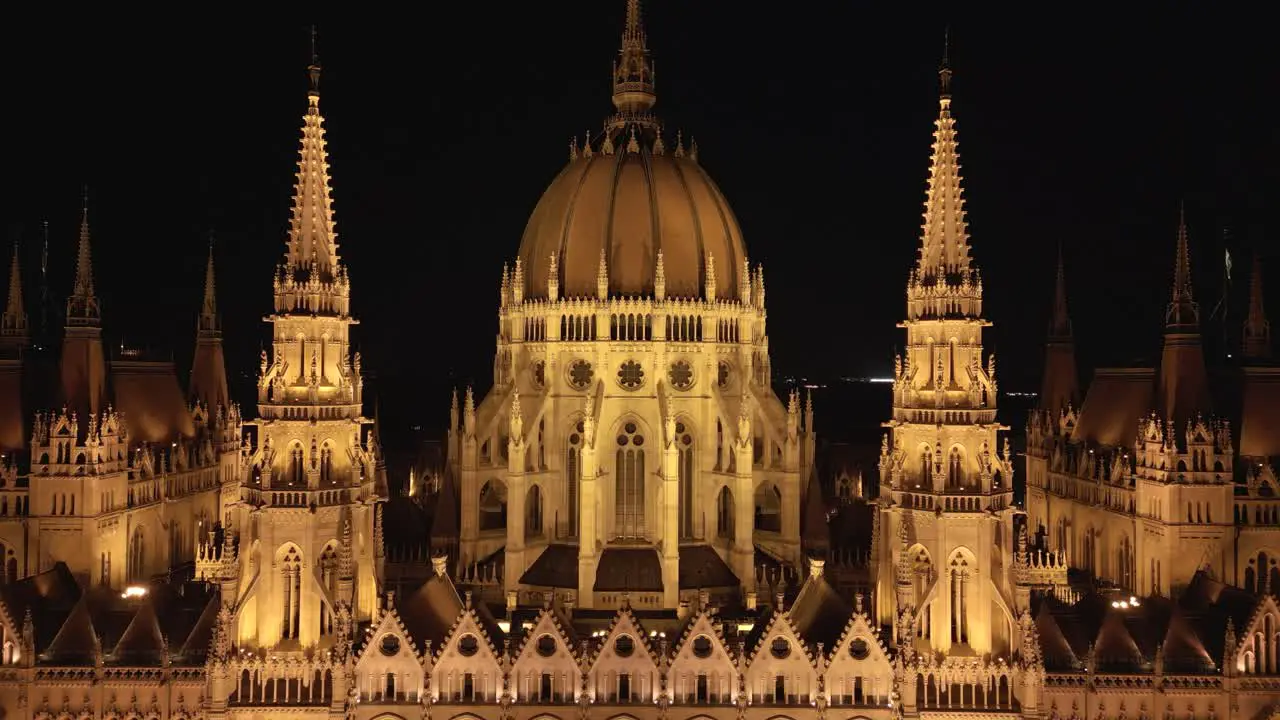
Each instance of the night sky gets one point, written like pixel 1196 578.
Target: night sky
pixel 1084 130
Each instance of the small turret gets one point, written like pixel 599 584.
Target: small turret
pixel 602 277
pixel 710 289
pixel 660 278
pixel 553 278
pixel 517 283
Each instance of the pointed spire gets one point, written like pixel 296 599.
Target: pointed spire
pixel 13 324
pixel 1060 326
pixel 553 278
pixel 945 237
pixel 1257 331
pixel 209 308
pixel 660 278
pixel 312 244
pixel 633 88
pixel 710 278
pixel 1183 310
pixel 82 306
pixel 944 69
pixel 602 277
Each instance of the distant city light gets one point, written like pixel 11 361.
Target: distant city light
pixel 134 591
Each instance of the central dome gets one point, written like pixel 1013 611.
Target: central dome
pixel 632 197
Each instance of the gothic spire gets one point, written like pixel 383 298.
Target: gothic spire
pixel 1060 326
pixel 82 306
pixel 1257 331
pixel 945 238
pixel 312 246
pixel 1183 309
pixel 633 88
pixel 209 308
pixel 13 324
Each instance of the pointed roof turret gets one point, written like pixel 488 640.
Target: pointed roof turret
pixel 312 244
pixel 633 88
pixel 13 324
pixel 1183 310
pixel 208 367
pixel 945 237
pixel 1060 324
pixel 1257 331
pixel 82 306
pixel 1060 385
pixel 208 324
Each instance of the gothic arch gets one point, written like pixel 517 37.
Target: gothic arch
pixel 493 504
pixel 725 514
pixel 327 452
pixel 924 456
pixel 767 501
pixel 631 442
pixel 692 523
pixel 295 458
pixel 957 466
pixel 573 443
pixel 534 506
pixel 962 582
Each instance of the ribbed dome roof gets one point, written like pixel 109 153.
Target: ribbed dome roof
pixel 632 203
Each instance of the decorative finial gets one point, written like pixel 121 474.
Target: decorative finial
pixel 314 68
pixel 944 71
pixel 633 88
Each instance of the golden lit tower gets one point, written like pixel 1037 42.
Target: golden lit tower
pixel 83 366
pixel 1060 388
pixel 312 482
pixel 946 483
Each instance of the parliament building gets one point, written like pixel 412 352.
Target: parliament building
pixel 631 523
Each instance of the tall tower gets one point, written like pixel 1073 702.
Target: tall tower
pixel 1257 330
pixel 14 329
pixel 946 485
pixel 83 365
pixel 307 534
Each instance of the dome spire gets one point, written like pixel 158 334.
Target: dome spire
pixel 633 89
pixel 312 244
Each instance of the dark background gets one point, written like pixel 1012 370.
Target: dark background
pixel 1084 129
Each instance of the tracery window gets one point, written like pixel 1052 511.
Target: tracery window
pixel 631 375
pixel 629 497
pixel 684 444
pixel 291 593
pixel 572 473
pixel 137 557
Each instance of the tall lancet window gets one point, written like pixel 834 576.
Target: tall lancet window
pixel 329 579
pixel 291 593
pixel 688 520
pixel 326 463
pixel 137 557
pixel 628 521
pixel 955 468
pixel 297 465
pixel 572 477
pixel 926 466
pixel 961 581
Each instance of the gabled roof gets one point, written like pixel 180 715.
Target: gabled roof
pixel 429 613
pixel 142 642
pixel 860 627
pixel 472 620
pixel 548 622
pixel 76 642
pixel 389 622
pixel 779 625
pixel 818 613
pixel 703 623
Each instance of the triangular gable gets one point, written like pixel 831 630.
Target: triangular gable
pixel 547 623
pixel 1057 651
pixel 780 626
pixel 197 642
pixel 452 655
pixel 388 624
pixel 1183 652
pixel 869 642
pixel 1266 606
pixel 624 623
pixel 76 641
pixel 142 642
pixel 686 653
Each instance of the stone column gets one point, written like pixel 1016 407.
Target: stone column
pixel 670 516
pixel 587 526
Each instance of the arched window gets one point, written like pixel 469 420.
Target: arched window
pixel 921 579
pixel 137 557
pixel 961 583
pixel 533 512
pixel 684 444
pixel 724 514
pixel 955 468
pixel 768 501
pixel 629 494
pixel 926 466
pixel 329 579
pixel 1125 562
pixel 297 467
pixel 572 478
pixel 326 463
pixel 493 505
pixel 291 592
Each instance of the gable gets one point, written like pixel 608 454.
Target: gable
pixel 702 648
pixel 545 649
pixel 859 650
pixel 1251 645
pixel 388 647
pixel 780 650
pixel 467 648
pixel 625 647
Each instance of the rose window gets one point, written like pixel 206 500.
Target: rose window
pixel 681 375
pixel 580 374
pixel 631 375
